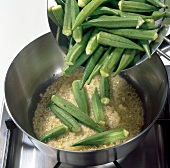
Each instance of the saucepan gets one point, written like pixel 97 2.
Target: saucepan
pixel 40 63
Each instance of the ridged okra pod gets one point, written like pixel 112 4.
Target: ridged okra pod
pixel 65 118
pixel 146 46
pixel 156 15
pixel 75 112
pixel 99 64
pixel 68 69
pixel 78 32
pixel 86 11
pixel 111 63
pixel 149 26
pixel 91 64
pixel 92 43
pixel 126 59
pixel 104 137
pixel 51 15
pixel 138 7
pixel 67 19
pixel 128 14
pixel 116 41
pixel 98 111
pixel 134 33
pixel 104 10
pixel 55 132
pixel 104 90
pixel 157 3
pixel 115 22
pixel 80 96
pixel 77 49
pixel 59 14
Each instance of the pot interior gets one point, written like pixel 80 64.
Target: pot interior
pixel 40 63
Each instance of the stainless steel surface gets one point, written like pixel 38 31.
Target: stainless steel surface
pixel 38 64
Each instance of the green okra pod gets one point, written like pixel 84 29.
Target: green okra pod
pixel 104 137
pixel 67 19
pixel 134 33
pixel 55 132
pixel 111 63
pixel 51 15
pixel 149 26
pixel 65 118
pixel 96 69
pixel 98 111
pixel 86 11
pixel 58 14
pixel 75 112
pixel 150 21
pixel 128 14
pixel 146 46
pixel 92 43
pixel 80 96
pixel 103 10
pixel 91 64
pixel 104 90
pixel 68 69
pixel 126 59
pixel 158 15
pixel 77 49
pixel 116 41
pixel 115 22
pixel 155 15
pixel 157 3
pixel 138 7
pixel 78 32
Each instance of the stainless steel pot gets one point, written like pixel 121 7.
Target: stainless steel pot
pixel 40 63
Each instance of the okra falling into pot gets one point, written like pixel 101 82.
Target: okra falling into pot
pixel 81 27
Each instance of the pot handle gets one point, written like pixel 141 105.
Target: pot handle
pixel 161 52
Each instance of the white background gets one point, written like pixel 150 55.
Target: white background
pixel 21 21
